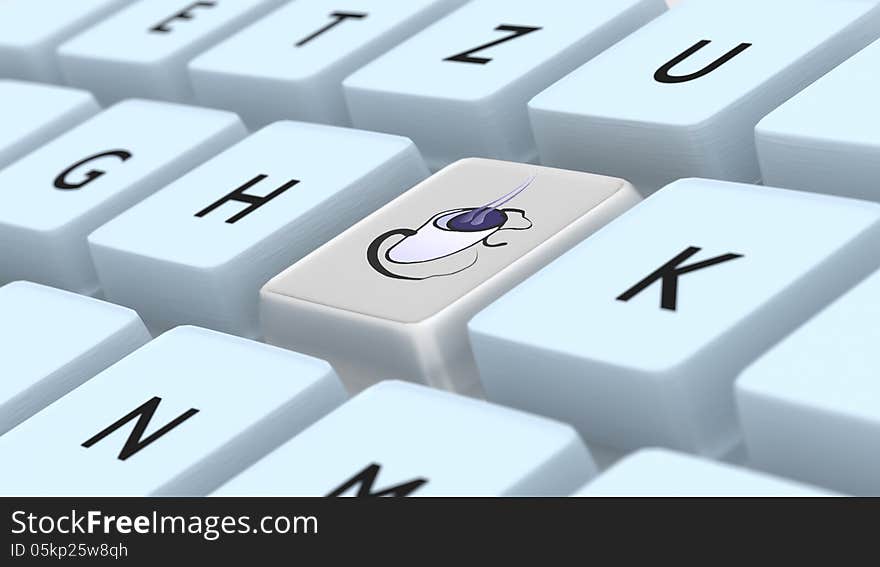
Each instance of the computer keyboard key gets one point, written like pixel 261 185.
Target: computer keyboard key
pixel 810 407
pixel 51 341
pixel 827 138
pixel 64 190
pixel 681 96
pixel 402 439
pixel 636 336
pixel 31 30
pixel 32 114
pixel 459 88
pixel 390 298
pixel 659 472
pixel 180 416
pixel 198 251
pixel 291 64
pixel 143 50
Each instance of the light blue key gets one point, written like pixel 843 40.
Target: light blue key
pixel 51 341
pixel 810 407
pixel 31 30
pixel 33 114
pixel 637 335
pixel 658 472
pixel 142 51
pixel 290 64
pixel 827 138
pixel 402 439
pixel 459 88
pixel 211 239
pixel 180 416
pixel 681 97
pixel 57 195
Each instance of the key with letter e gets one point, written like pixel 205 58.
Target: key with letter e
pixel 637 335
pixel 180 416
pixel 143 50
pixel 390 298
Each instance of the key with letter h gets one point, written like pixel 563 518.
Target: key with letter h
pixel 681 96
pixel 211 239
pixel 636 335
pixel 180 416
pixel 401 439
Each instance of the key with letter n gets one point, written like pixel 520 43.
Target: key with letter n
pixel 398 439
pixel 636 335
pixel 179 416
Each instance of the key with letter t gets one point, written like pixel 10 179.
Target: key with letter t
pixel 637 334
pixel 390 298
pixel 180 416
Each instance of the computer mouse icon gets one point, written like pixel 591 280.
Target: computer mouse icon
pixel 449 242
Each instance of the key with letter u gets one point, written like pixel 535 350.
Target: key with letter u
pixel 681 96
pixel 180 416
pixel 637 335
pixel 459 88
pixel 389 298
pixel 401 439
pixel 51 341
pixel 211 239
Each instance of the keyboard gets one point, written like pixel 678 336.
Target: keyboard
pixel 439 248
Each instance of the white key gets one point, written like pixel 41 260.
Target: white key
pixel 390 298
pixel 31 31
pixel 57 195
pixel 33 114
pixel 658 472
pixel 290 64
pixel 51 341
pixel 827 138
pixel 400 439
pixel 143 50
pixel 637 335
pixel 210 240
pixel 810 407
pixel 459 89
pixel 180 416
pixel 681 96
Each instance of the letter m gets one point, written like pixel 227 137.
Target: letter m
pixel 365 480
pixel 136 440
